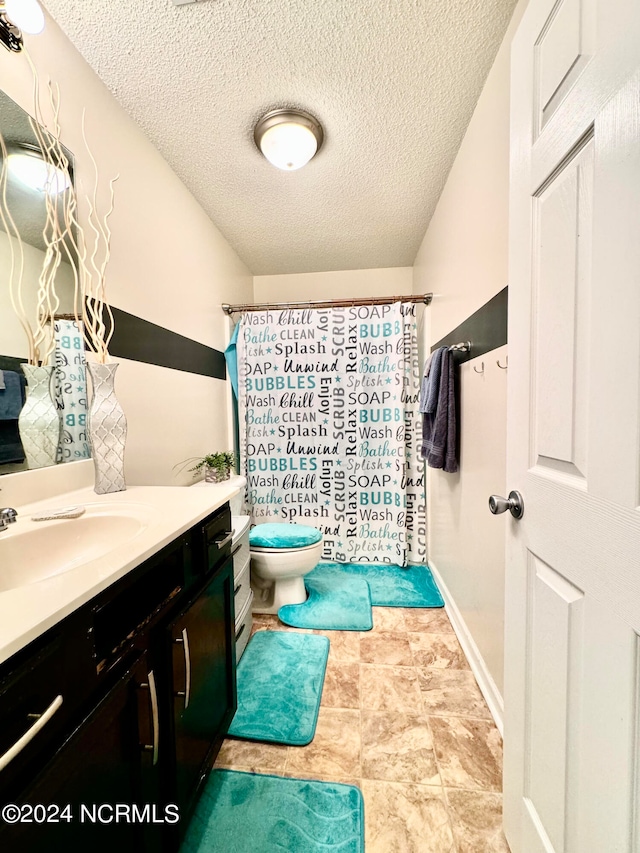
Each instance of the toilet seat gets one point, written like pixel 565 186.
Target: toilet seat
pixel 284 549
pixel 283 536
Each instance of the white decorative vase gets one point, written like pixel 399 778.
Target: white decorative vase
pixel 39 421
pixel 107 430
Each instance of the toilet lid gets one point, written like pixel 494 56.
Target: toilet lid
pixel 283 536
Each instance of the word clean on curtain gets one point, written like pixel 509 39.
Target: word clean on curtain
pixel 330 428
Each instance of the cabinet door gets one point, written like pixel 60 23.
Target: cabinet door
pixel 101 764
pixel 204 681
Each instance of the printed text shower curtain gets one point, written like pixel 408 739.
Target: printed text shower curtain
pixel 330 429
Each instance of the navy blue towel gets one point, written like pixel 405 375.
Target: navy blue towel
pixel 431 381
pixel 10 445
pixel 12 397
pixel 439 429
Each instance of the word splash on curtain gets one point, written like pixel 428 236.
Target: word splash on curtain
pixel 330 428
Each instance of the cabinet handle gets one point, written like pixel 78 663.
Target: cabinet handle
pixel 237 589
pixel 153 693
pixel 222 542
pixel 28 736
pixel 239 634
pixel 184 641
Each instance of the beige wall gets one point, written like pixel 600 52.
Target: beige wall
pixel 343 284
pixel 340 284
pixel 169 263
pixel 463 259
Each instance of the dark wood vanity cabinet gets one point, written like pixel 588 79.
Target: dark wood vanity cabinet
pixel 202 650
pixel 142 685
pixel 100 765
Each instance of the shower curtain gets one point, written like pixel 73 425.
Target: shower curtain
pixel 71 396
pixel 330 430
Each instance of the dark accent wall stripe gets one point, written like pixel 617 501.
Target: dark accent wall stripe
pixel 10 362
pixel 486 328
pixel 140 340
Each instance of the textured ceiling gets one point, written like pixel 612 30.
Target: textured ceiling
pixel 394 83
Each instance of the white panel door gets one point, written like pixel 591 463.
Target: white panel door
pixel 572 620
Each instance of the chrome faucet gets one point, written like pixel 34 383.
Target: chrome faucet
pixel 8 516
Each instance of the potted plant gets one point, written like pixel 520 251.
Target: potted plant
pixel 217 466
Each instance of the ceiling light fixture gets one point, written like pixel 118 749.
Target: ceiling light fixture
pixel 33 172
pixel 16 17
pixel 26 14
pixel 288 138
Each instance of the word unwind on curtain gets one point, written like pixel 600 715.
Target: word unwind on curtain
pixel 330 426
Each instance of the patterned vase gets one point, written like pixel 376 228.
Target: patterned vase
pixel 39 421
pixel 215 475
pixel 107 430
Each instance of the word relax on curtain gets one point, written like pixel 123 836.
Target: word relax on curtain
pixel 330 428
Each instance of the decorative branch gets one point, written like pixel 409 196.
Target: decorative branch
pixel 39 335
pixel 43 333
pixel 13 236
pixel 97 290
pixel 54 235
pixel 89 275
pixel 55 155
pixel 47 298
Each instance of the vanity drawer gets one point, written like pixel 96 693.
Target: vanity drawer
pixel 241 588
pixel 241 551
pixel 39 702
pixel 242 555
pixel 241 525
pixel 243 628
pixel 217 535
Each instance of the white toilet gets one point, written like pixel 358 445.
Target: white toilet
pixel 281 555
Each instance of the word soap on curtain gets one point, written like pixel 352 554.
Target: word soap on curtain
pixel 330 428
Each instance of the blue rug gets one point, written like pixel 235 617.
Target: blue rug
pixel 340 603
pixel 280 678
pixel 247 813
pixel 391 586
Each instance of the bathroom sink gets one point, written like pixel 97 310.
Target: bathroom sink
pixel 35 551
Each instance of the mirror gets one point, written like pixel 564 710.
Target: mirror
pixel 30 440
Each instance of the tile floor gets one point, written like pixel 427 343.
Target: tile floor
pixel 401 717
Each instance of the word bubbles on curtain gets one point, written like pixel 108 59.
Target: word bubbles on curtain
pixel 330 428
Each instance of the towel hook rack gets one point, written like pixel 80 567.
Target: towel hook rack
pixel 463 346
pixel 481 371
pixel 503 366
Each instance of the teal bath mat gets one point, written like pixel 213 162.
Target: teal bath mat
pixel 280 679
pixel 391 586
pixel 340 603
pixel 248 813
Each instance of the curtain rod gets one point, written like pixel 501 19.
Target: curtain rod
pixel 328 303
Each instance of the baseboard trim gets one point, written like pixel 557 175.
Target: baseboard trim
pixel 478 666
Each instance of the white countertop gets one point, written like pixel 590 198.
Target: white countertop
pixel 28 611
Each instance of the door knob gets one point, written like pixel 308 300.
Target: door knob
pixel 514 503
